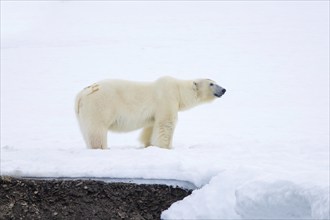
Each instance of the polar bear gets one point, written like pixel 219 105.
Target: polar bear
pixel 123 106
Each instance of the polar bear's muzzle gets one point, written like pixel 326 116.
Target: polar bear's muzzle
pixel 218 90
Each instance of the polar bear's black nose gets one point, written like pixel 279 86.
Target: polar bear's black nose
pixel 223 91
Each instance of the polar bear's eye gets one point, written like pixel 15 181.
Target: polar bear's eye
pixel 211 84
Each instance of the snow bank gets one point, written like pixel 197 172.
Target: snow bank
pixel 150 163
pixel 228 187
pixel 282 199
pixel 208 202
pixel 240 195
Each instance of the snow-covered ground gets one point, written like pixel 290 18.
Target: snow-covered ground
pixel 261 151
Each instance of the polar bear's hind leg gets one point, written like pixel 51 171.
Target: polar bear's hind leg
pixel 96 139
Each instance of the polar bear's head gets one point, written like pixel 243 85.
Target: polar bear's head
pixel 208 90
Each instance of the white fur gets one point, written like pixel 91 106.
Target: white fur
pixel 122 106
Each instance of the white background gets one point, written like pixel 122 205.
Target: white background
pixel 267 137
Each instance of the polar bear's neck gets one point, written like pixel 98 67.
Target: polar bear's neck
pixel 188 95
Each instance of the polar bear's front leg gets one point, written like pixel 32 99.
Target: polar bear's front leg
pixel 146 134
pixel 162 134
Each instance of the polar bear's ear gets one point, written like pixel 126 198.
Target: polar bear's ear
pixel 195 86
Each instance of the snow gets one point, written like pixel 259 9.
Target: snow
pixel 259 152
pixel 245 194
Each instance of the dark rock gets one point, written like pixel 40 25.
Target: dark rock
pixel 84 199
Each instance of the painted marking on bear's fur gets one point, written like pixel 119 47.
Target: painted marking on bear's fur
pixel 94 87
pixel 94 90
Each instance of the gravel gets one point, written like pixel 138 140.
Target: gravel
pixel 84 199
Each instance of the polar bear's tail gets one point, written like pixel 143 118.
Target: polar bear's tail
pixel 77 105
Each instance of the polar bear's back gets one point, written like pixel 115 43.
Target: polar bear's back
pixel 120 105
